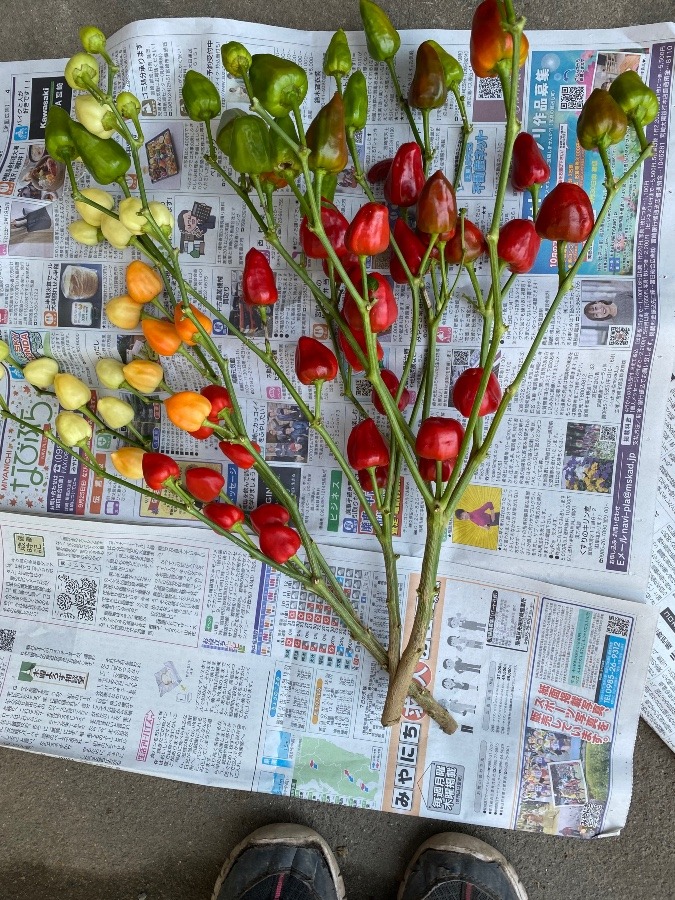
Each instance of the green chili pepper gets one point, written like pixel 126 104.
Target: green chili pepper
pixel 427 90
pixel 337 60
pixel 58 137
pixel 92 39
pixel 236 58
pixel 128 105
pixel 285 161
pixel 635 98
pixel 326 138
pixel 250 151
pixel 200 96
pixel 452 68
pixel 382 39
pixel 224 132
pixel 601 122
pixel 356 101
pixel 106 160
pixel 279 84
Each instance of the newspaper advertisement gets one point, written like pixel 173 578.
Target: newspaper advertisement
pixel 568 492
pixel 164 651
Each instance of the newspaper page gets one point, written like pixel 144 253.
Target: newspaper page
pixel 571 479
pixel 167 652
pixel 659 700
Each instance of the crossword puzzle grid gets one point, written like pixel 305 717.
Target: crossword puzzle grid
pixel 310 632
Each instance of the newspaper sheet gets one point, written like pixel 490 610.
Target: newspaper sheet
pixel 164 651
pixel 659 701
pixel 573 477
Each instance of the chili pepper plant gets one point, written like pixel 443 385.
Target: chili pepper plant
pixel 431 245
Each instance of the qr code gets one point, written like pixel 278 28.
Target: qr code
pixel 609 434
pixel 591 815
pixel 76 598
pixel 461 359
pixel 619 335
pixel 617 625
pixel 362 388
pixel 489 89
pixel 7 637
pixel 572 96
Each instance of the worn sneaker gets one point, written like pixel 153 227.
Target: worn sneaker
pixel 459 867
pixel 280 862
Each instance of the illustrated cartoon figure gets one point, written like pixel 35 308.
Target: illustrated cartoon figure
pixel 193 226
pixel 465 624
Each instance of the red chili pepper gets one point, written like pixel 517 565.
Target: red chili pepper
pixel 201 433
pixel 335 226
pixel 203 483
pixel 379 171
pixel 566 214
pixel 474 244
pixel 225 515
pixel 238 454
pixel 437 207
pixel 219 398
pixel 366 448
pixel 412 249
pixel 391 383
pixel 279 542
pixel 314 361
pixel 529 166
pixel 427 469
pixel 350 263
pixel 518 245
pixel 259 287
pixel 428 89
pixel 405 178
pixel 350 355
pixel 490 43
pixel 384 311
pixel 157 468
pixel 466 388
pixel 439 438
pixel 268 514
pixel 368 232
pixel 366 482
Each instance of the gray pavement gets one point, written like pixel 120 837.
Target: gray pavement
pixel 82 833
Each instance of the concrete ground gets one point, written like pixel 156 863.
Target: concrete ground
pixel 82 833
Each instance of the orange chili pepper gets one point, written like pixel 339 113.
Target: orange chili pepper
pixel 187 410
pixel 162 336
pixel 490 42
pixel 143 282
pixel 186 328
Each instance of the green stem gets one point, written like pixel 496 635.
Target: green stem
pixel 607 166
pixel 480 301
pixel 427 152
pixel 405 106
pixel 467 128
